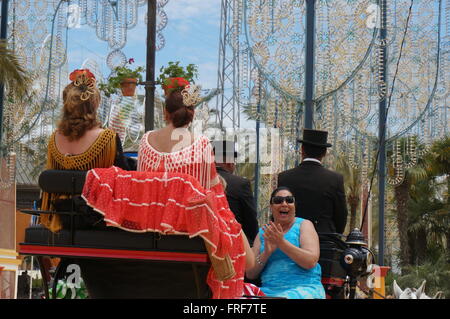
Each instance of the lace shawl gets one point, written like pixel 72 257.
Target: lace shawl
pixel 100 154
pixel 196 160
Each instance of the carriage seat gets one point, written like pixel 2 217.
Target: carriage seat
pixel 113 238
pixel 331 250
pixel 115 263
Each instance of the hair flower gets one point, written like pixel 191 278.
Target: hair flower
pixel 85 80
pixel 191 95
pixel 76 73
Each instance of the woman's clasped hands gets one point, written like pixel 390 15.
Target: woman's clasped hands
pixel 273 236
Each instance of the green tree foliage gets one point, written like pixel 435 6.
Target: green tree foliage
pixel 428 222
pixel 121 73
pixel 174 70
pixel 402 197
pixel 12 74
pixel 435 272
pixel 352 185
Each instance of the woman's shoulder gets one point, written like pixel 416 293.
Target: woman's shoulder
pixel 92 142
pixel 153 133
pixel 91 136
pixel 99 135
pixel 156 135
pixel 150 132
pixel 304 223
pixel 51 139
pixel 106 131
pixel 203 139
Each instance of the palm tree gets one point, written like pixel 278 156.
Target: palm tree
pixel 422 205
pixel 402 197
pixel 438 161
pixel 437 166
pixel 12 74
pixel 428 220
pixel 352 185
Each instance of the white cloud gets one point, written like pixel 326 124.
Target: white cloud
pixel 192 9
pixel 208 73
pixel 183 29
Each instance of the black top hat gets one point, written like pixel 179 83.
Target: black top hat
pixel 315 137
pixel 224 148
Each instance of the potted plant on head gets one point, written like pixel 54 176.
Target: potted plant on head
pixel 175 76
pixel 124 78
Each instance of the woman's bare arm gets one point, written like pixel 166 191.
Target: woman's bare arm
pixel 308 254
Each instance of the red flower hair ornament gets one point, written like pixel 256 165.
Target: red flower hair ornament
pixel 79 72
pixel 85 80
pixel 172 84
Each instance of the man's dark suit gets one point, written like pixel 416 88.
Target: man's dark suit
pixel 242 204
pixel 319 194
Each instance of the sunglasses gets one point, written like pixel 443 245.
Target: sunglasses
pixel 280 199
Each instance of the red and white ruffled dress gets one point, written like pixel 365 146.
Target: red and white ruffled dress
pixel 173 193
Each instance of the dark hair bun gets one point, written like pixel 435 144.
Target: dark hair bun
pixel 179 114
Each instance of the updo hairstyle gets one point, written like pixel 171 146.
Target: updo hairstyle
pixel 179 114
pixel 78 116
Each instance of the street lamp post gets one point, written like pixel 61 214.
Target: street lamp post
pixel 309 63
pixel 149 121
pixel 309 72
pixel 3 36
pixel 382 137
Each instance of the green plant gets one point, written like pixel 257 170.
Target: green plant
pixel 120 74
pixel 174 70
pixel 435 272
pixel 12 73
pixel 66 291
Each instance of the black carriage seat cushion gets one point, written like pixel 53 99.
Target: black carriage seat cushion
pixel 114 238
pixel 62 181
pixel 130 278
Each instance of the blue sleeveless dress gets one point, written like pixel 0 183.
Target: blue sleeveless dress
pixel 282 277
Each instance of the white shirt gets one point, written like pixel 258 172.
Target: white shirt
pixel 312 160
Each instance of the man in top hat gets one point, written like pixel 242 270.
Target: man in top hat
pixel 238 189
pixel 319 192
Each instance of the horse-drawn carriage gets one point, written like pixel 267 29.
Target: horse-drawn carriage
pixel 115 263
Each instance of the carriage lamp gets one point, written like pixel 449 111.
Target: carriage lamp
pixel 356 257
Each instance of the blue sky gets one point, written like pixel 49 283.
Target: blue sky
pixel 191 36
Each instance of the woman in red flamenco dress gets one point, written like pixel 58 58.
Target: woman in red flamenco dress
pixel 177 190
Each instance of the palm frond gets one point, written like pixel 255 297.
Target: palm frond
pixel 12 74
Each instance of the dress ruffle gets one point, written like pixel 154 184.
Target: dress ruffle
pixel 170 203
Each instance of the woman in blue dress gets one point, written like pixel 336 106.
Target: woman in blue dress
pixel 287 253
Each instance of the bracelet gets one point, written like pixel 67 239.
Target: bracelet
pixel 258 260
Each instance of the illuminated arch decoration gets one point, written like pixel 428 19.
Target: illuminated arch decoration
pixel 38 32
pixel 268 42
